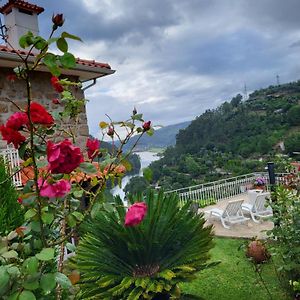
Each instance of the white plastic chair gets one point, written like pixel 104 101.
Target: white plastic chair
pixel 252 194
pixel 232 214
pixel 258 209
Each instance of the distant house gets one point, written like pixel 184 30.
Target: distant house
pixel 21 17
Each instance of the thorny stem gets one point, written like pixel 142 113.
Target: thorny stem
pixel 35 168
pixel 258 271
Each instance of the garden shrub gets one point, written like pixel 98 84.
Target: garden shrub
pixel 145 261
pixel 286 232
pixel 11 215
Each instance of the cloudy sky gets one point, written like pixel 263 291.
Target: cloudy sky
pixel 176 58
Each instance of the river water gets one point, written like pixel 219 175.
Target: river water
pixel 146 158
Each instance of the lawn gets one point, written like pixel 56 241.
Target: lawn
pixel 234 278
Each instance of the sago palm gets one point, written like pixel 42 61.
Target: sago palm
pixel 147 261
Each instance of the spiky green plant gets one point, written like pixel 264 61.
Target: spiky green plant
pixel 11 215
pixel 147 261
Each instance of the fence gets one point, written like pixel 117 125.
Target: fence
pixel 212 192
pixel 11 159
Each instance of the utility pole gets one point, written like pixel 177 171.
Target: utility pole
pixel 277 79
pixel 245 92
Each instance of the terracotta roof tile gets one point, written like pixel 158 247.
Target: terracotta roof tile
pixel 84 62
pixel 20 4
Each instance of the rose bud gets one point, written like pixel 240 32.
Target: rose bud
pixel 58 21
pixel 147 126
pixel 20 200
pixel 55 101
pixel 110 131
pixel 134 112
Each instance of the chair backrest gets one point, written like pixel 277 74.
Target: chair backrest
pixel 233 208
pixel 252 194
pixel 260 202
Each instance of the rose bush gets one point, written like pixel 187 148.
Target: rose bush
pixel 60 175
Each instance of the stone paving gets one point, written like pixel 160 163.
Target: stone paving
pixel 249 229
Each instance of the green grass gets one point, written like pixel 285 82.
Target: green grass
pixel 234 278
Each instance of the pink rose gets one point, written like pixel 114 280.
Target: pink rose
pixel 54 190
pixel 92 147
pixel 135 214
pixel 63 157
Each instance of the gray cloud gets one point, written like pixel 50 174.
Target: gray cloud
pixel 175 59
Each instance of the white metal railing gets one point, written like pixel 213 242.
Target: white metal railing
pixel 212 192
pixel 12 160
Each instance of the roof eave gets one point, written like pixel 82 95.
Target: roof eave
pixel 85 73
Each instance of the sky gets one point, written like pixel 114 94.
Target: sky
pixel 174 59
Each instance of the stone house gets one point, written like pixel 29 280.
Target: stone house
pixel 19 18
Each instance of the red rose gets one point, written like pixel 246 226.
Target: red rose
pixel 20 200
pixel 39 115
pixel 92 147
pixel 56 85
pixel 55 101
pixel 135 214
pixel 63 157
pixel 12 136
pixel 17 120
pixel 11 77
pixel 147 126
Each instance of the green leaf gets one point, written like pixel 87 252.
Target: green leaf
pixel 31 284
pixel 70 247
pixel 150 132
pixel 30 214
pixel 62 45
pixel 50 60
pixel 27 295
pixel 137 117
pixel 78 194
pixel 78 215
pixel 4 279
pixel 52 40
pixel 14 296
pixel 88 168
pixel 26 40
pixel 70 36
pixel 10 254
pixel 46 254
pixel 55 71
pixel 35 226
pixel 67 60
pixel 48 282
pixel 30 265
pixel 71 220
pixel 47 218
pixel 40 43
pixel 63 280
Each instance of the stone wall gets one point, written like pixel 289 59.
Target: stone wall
pixel 42 92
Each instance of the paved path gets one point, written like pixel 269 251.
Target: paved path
pixel 249 229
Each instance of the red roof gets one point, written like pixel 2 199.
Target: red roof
pixel 5 9
pixel 84 62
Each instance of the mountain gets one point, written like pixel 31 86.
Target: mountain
pixel 236 138
pixel 162 138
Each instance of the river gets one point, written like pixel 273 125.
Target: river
pixel 146 158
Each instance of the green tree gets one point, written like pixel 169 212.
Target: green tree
pixel 293 115
pixel 11 215
pixel 292 143
pixel 136 185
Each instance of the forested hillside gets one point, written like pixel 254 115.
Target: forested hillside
pixel 235 138
pixel 162 138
